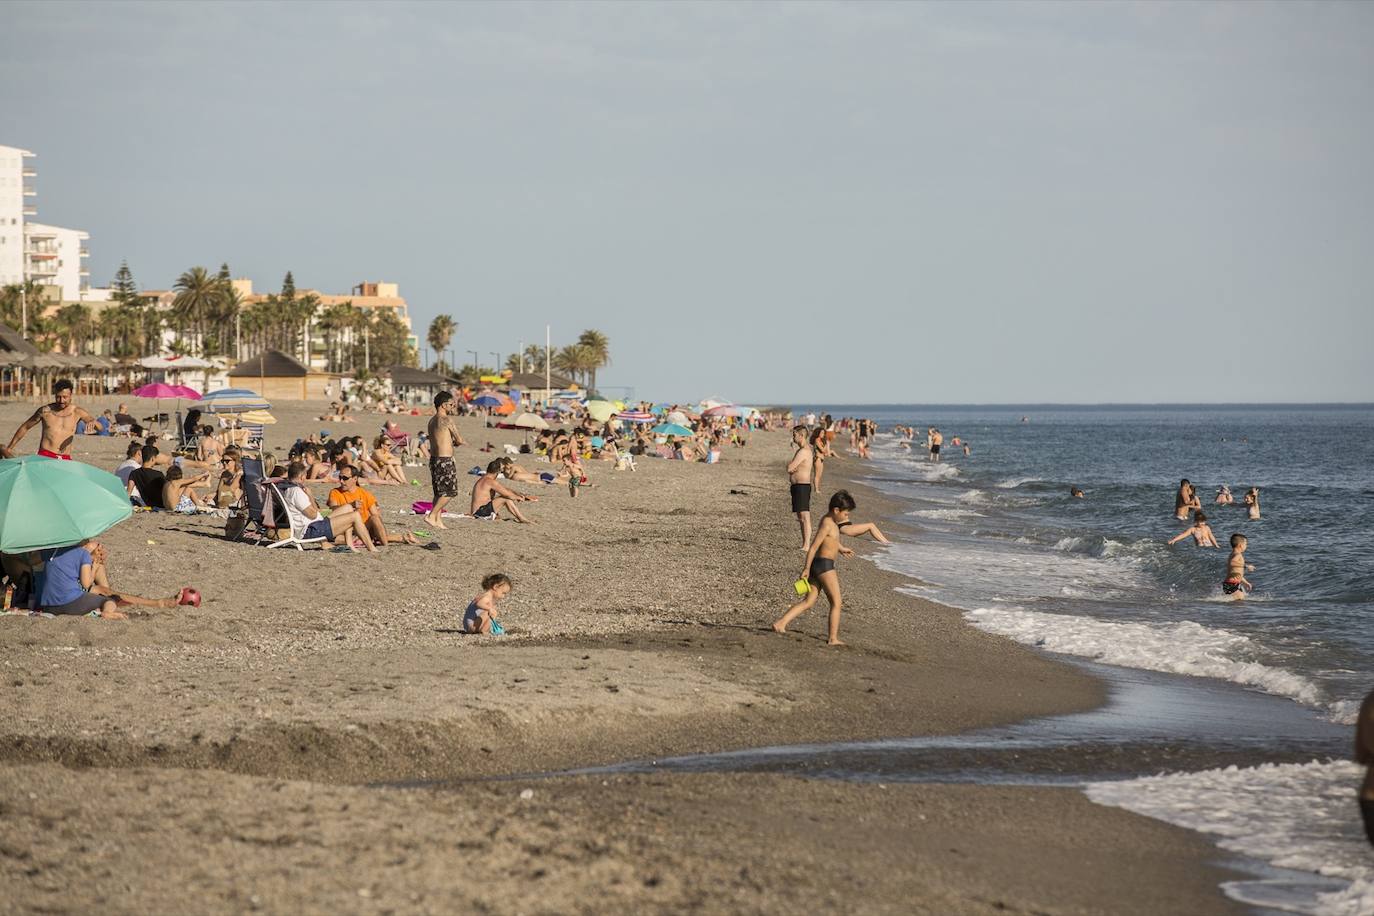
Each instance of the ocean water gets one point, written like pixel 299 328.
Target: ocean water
pixel 997 534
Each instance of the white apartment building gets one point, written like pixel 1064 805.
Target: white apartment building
pixel 48 255
pixel 56 257
pixel 15 204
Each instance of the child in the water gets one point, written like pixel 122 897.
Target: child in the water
pixel 481 617
pixel 1236 568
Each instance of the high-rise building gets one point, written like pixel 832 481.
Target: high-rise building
pixel 47 255
pixel 15 204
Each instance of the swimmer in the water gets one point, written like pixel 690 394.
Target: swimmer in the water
pixel 1252 503
pixel 1236 568
pixel 1201 532
pixel 1364 755
pixel 1224 497
pixel 1075 492
pixel 1185 501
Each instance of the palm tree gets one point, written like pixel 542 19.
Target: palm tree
pixel 198 296
pixel 576 360
pixel 73 325
pixel 598 349
pixel 441 334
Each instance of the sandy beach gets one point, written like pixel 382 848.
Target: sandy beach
pixel 228 757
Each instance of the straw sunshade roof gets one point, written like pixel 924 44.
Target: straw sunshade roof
pixel 270 363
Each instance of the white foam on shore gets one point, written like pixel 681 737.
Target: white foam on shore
pixel 946 514
pixel 1015 482
pixel 1303 817
pixel 1177 648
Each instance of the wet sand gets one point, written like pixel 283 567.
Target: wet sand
pixel 221 758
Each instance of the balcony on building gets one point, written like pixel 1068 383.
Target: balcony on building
pixel 85 252
pixel 30 211
pixel 29 172
pixel 30 191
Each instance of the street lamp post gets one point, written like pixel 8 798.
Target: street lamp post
pixel 496 366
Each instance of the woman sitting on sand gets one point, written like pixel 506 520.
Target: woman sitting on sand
pixel 388 466
pixel 229 485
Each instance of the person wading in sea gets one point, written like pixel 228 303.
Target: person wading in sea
pixel 59 421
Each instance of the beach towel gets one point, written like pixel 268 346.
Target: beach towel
pixel 423 507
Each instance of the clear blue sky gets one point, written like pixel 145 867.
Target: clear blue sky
pixel 788 202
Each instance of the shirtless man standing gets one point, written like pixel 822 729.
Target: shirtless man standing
pixel 799 476
pixel 937 439
pixel 443 438
pixel 59 424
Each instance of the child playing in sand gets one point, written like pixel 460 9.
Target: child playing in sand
pixel 1236 568
pixel 1200 530
pixel 819 569
pixel 480 617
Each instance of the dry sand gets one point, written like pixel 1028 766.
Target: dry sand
pixel 218 759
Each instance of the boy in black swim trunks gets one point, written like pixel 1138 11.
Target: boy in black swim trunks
pixel 799 476
pixel 1236 568
pixel 819 569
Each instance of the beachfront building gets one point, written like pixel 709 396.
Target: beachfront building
pixel 373 297
pixel 57 257
pixel 50 256
pixel 278 377
pixel 15 205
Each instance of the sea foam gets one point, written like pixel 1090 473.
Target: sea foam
pixel 1295 816
pixel 1178 648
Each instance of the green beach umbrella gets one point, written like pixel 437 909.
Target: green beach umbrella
pixel 45 502
pixel 600 411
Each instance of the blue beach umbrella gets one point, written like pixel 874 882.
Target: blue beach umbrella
pixel 670 429
pixel 487 400
pixel 45 503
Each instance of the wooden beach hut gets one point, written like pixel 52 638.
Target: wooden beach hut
pixel 279 377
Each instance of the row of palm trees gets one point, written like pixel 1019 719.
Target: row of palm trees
pixel 208 318
pixel 579 360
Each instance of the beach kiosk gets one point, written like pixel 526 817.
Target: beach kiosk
pixel 278 377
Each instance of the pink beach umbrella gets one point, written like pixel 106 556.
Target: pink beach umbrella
pixel 160 390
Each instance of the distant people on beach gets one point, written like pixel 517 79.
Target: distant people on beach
pixel 59 421
pixel 1185 500
pixel 820 450
pixel 481 616
pixel 936 441
pixel 1200 532
pixel 799 471
pixel 1364 755
pixel 818 571
pixel 1236 568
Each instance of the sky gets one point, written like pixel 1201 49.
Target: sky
pixel 780 203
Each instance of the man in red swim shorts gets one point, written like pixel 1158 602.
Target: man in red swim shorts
pixel 59 424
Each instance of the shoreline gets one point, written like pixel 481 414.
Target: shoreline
pixel 217 706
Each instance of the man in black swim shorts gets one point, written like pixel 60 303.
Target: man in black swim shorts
pixel 799 471
pixel 443 439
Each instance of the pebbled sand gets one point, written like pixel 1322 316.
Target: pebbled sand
pixel 217 759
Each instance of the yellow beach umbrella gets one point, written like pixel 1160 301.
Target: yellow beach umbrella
pixel 600 411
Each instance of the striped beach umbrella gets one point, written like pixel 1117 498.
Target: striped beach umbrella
pixel 233 400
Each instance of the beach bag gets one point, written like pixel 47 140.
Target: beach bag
pixel 236 525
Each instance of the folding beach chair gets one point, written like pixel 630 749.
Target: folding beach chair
pixel 246 516
pixel 188 445
pixel 297 520
pixel 254 441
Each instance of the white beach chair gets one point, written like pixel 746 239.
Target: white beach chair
pixel 298 520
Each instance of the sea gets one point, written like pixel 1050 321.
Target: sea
pixel 997 534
